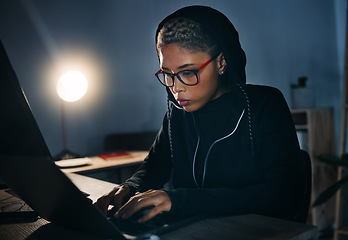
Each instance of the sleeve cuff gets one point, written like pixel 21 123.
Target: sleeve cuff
pixel 177 200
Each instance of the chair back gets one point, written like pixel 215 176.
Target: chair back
pixel 306 165
pixel 129 141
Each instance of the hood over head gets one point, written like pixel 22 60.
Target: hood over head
pixel 220 28
pixel 222 31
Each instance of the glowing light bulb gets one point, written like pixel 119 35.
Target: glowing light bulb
pixel 72 86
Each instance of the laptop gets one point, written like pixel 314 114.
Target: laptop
pixel 26 166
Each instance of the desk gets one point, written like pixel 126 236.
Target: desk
pixel 115 170
pixel 245 227
pixel 99 164
pixel 232 227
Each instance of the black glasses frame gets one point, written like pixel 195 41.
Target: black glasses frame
pixel 172 75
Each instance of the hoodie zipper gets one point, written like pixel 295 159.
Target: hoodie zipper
pixel 211 146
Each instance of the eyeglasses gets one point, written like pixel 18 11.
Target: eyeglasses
pixel 187 77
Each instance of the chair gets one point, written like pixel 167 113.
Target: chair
pixel 306 164
pixel 136 141
pixel 129 141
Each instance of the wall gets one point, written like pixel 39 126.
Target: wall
pixel 112 41
pixel 341 19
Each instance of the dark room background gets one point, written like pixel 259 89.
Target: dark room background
pixel 112 43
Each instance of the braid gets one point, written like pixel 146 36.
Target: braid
pixel 170 130
pixel 249 119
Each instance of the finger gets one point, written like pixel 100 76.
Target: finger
pixel 143 200
pixel 104 201
pixel 135 204
pixel 162 203
pixel 101 204
pixel 118 199
pixel 152 213
pixel 124 210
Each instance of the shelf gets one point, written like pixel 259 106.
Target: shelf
pixel 343 230
pixel 318 138
pixel 342 143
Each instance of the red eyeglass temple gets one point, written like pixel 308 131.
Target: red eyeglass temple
pixel 204 64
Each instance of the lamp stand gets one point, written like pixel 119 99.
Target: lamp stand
pixel 65 153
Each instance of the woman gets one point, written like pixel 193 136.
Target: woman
pixel 225 147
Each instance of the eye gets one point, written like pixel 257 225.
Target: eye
pixel 187 74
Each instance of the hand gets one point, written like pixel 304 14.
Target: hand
pixel 157 198
pixel 115 197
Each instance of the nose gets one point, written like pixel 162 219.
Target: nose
pixel 178 86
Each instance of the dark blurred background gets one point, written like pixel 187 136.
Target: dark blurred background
pixel 112 43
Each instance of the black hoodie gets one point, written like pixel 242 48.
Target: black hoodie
pixel 238 154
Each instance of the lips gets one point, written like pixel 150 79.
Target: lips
pixel 183 102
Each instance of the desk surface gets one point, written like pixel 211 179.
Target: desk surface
pixel 232 227
pixel 246 227
pixel 99 164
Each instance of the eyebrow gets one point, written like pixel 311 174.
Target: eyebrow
pixel 181 67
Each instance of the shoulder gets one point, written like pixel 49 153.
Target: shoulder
pixel 259 94
pixel 265 99
pixel 262 91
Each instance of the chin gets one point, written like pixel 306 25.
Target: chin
pixel 190 108
pixel 187 108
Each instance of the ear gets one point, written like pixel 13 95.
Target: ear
pixel 221 63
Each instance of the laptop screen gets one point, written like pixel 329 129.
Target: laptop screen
pixel 19 132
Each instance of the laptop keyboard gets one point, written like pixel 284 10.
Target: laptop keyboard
pixel 132 227
pixel 158 225
pixel 11 206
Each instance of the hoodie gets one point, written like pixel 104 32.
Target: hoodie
pixel 238 154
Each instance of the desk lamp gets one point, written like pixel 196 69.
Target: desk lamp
pixel 71 87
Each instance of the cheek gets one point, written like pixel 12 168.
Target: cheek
pixel 209 83
pixel 210 76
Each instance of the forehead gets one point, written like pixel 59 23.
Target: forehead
pixel 172 55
